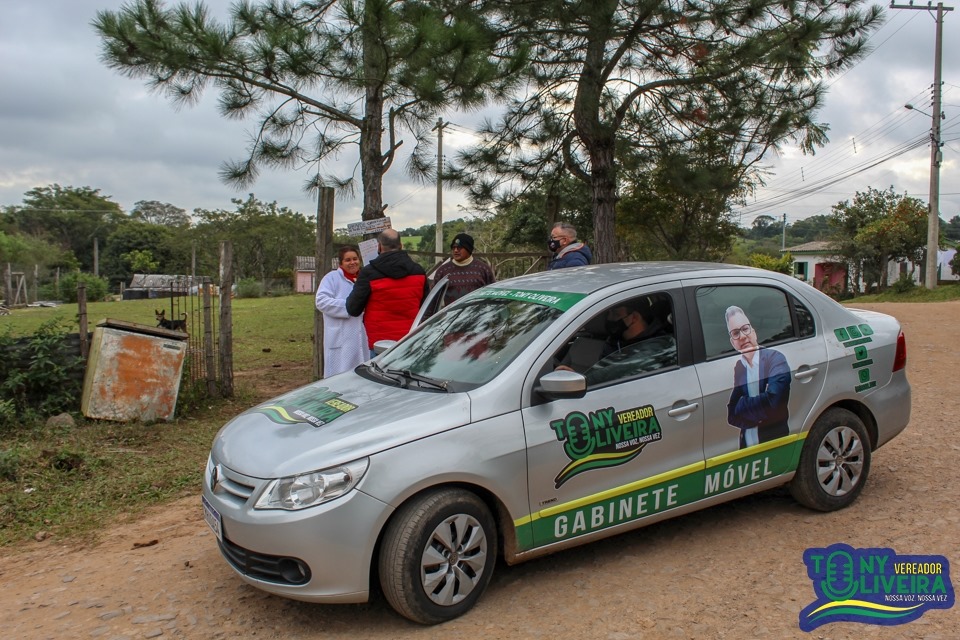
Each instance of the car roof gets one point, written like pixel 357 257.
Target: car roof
pixel 592 278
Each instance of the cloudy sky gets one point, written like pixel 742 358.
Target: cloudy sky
pixel 68 119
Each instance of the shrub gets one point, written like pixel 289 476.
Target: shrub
pixel 9 464
pixel 97 288
pixel 249 288
pixel 904 285
pixel 39 376
pixel 784 264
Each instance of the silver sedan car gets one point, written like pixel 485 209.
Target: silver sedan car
pixel 548 411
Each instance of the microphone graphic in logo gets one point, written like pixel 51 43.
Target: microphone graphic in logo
pixel 840 583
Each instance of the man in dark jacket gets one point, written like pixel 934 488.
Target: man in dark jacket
pixel 567 250
pixel 759 403
pixel 388 291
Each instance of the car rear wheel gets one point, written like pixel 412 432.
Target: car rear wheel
pixel 437 556
pixel 834 463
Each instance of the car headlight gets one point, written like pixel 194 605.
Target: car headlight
pixel 313 488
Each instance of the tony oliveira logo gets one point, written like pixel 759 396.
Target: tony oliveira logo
pixel 873 586
pixel 604 438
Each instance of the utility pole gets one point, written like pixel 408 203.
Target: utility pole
pixel 783 241
pixel 936 156
pixel 438 240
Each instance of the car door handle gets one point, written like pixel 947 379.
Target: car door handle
pixel 806 373
pixel 685 409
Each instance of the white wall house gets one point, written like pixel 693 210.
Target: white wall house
pixel 816 264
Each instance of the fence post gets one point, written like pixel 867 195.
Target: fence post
pixel 82 318
pixel 209 364
pixel 226 318
pixel 8 285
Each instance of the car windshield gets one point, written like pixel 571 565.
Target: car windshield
pixel 467 345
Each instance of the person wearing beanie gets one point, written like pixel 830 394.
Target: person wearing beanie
pixel 463 271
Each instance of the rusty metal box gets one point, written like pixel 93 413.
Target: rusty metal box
pixel 133 372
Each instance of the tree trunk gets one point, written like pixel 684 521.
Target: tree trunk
pixel 598 137
pixel 371 129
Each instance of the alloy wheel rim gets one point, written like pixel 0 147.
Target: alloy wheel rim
pixel 840 461
pixel 453 560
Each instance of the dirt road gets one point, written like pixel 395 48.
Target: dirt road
pixel 732 571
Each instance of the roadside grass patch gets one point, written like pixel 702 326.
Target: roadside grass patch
pixel 72 482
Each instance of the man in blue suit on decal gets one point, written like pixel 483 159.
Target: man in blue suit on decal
pixel 761 385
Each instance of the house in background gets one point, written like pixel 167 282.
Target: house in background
pixel 304 273
pixel 816 264
pixel 944 271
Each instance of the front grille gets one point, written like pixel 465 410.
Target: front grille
pixel 277 569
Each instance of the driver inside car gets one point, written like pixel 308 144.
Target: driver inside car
pixel 626 324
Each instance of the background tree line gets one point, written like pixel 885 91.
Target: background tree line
pixel 55 228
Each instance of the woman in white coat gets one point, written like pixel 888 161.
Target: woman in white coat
pixel 344 339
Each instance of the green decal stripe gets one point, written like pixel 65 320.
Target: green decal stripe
pixel 864 387
pixel 619 491
pixel 853 343
pixel 555 299
pixel 659 493
pixel 598 461
pixel 862 363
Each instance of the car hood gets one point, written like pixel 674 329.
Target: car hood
pixel 331 422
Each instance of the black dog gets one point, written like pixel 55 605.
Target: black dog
pixel 173 325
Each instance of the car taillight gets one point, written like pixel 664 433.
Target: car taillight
pixel 900 359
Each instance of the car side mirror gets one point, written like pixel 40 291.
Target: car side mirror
pixel 562 384
pixel 382 345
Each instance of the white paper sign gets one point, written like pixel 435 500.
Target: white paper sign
pixel 364 227
pixel 368 250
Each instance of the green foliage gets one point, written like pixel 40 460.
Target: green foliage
pixel 904 284
pixel 9 461
pixel 955 264
pixel 22 249
pixel 878 226
pixel 140 261
pixel 160 213
pixel 679 207
pixel 266 237
pixel 284 273
pixel 96 288
pixel 784 264
pixel 735 72
pixel 40 377
pixel 153 248
pixel 249 288
pixel 68 217
pixel 303 67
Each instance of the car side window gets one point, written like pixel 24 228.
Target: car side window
pixel 754 314
pixel 626 339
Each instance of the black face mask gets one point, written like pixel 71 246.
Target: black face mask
pixel 617 327
pixel 553 245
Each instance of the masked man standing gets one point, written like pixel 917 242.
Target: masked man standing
pixel 568 252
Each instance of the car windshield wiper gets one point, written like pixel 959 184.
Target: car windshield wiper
pixel 386 374
pixel 421 380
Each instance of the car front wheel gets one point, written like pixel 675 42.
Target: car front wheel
pixel 437 555
pixel 834 463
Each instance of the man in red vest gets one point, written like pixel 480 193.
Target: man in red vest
pixel 388 291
